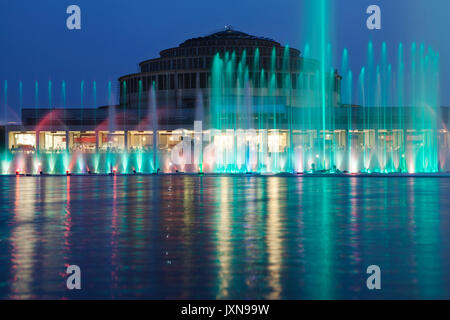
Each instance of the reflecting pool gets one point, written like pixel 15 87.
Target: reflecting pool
pixel 224 237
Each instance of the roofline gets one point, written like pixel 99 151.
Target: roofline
pixel 149 60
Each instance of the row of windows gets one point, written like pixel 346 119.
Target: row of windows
pixel 184 81
pixel 164 82
pixel 178 64
pixel 202 80
pixel 206 63
pixel 210 48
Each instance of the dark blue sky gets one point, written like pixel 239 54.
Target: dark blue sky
pixel 116 35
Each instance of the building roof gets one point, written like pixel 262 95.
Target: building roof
pixel 228 34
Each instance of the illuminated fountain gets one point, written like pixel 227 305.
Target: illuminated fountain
pixel 264 110
pixel 254 123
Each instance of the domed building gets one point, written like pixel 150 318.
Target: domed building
pixel 228 80
pixel 230 102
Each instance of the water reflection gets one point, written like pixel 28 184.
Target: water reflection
pixel 273 239
pixel 23 240
pixel 427 245
pixel 224 237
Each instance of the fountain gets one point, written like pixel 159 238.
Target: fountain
pixel 264 113
pixel 256 125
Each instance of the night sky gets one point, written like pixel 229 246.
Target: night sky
pixel 116 35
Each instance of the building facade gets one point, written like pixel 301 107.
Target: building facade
pixel 230 82
pixel 184 74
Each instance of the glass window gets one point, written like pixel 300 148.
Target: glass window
pixel 193 80
pixel 111 141
pixel 84 141
pixel 52 141
pixel 172 82
pixel 202 80
pixel 22 141
pixel 187 80
pixel 180 81
pixel 140 140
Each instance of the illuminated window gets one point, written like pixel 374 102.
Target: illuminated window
pixel 111 141
pixel 22 141
pixel 140 140
pixel 52 141
pixel 82 141
pixel 277 141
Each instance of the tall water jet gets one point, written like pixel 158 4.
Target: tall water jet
pixel 318 35
pixel 67 151
pixel 109 163
pixel 20 95
pixel 111 109
pixel 64 95
pixel 82 97
pixel 5 162
pixel 346 86
pixel 50 94
pixel 198 130
pixel 36 94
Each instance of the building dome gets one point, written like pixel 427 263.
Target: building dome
pixel 181 74
pixel 195 55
